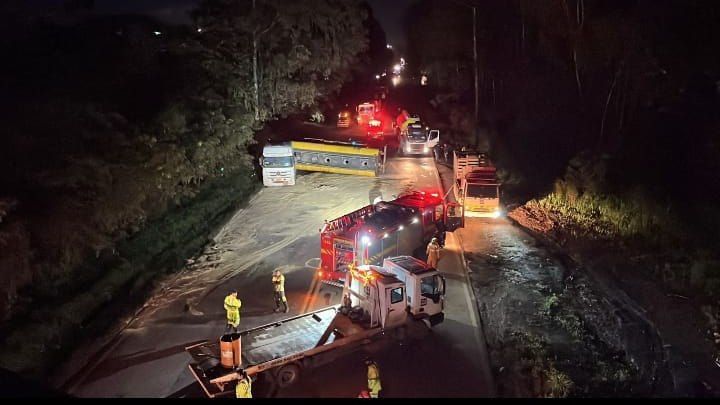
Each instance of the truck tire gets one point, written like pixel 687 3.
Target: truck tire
pixel 287 375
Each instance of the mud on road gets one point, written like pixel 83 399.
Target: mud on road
pixel 553 331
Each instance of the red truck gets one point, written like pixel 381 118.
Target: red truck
pixel 374 232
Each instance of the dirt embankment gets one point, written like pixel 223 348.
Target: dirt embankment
pixel 636 302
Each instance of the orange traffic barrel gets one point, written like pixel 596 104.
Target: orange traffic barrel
pixel 226 351
pixel 237 349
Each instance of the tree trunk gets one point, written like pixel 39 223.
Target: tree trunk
pixel 256 86
pixel 607 104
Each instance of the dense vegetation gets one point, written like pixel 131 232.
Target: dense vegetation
pixel 628 88
pixel 126 141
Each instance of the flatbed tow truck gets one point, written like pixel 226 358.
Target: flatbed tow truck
pixel 402 296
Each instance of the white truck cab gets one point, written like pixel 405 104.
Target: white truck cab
pixel 417 139
pixel 278 165
pixel 403 287
pixel 425 287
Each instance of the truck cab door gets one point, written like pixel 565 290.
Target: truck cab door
pixel 433 138
pixel 455 216
pixel 395 303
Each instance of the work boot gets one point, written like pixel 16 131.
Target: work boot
pixel 276 310
pixel 287 309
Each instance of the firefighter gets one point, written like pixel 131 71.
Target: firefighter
pixel 278 281
pixel 346 304
pixel 433 253
pixel 373 375
pixel 232 306
pixel 243 389
pixel 440 234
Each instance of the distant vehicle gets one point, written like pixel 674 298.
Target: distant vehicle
pixel 382 303
pixel 375 129
pixel 344 118
pixel 365 112
pixel 476 185
pixel 417 139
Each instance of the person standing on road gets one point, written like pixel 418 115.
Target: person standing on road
pixel 440 233
pixel 278 281
pixel 232 306
pixel 373 376
pixel 433 253
pixel 448 153
pixel 243 389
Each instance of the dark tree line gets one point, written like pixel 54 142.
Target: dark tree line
pixel 111 121
pixel 634 81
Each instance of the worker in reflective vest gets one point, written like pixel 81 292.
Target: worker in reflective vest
pixel 243 389
pixel 232 306
pixel 433 253
pixel 373 375
pixel 278 281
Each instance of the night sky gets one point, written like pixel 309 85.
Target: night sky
pixel 390 13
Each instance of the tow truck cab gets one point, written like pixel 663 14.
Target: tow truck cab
pixel 391 295
pixel 425 287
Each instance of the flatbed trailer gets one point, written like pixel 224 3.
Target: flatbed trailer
pixel 281 349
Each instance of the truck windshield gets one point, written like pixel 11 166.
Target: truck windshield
pixel 417 135
pixel 274 162
pixel 480 191
pixel 429 286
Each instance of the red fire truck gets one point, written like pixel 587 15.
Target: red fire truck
pixel 374 232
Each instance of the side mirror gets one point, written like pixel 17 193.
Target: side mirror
pixel 262 161
pixel 434 134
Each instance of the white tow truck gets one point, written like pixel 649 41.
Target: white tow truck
pixel 401 298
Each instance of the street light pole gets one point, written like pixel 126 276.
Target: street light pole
pixel 477 74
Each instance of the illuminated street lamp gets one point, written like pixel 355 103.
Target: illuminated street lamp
pixel 388 46
pixel 377 77
pixel 396 68
pixel 415 220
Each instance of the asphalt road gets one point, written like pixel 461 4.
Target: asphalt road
pixel 279 229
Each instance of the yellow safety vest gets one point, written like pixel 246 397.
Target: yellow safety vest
pixel 373 376
pixel 232 306
pixel 244 388
pixel 279 283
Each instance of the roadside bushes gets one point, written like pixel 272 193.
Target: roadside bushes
pixel 37 342
pixel 584 198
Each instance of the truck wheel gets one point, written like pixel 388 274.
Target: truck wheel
pixel 287 375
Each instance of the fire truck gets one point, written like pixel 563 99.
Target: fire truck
pixel 375 129
pixel 367 236
pixel 401 299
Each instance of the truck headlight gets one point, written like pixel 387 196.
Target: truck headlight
pixel 497 213
pixel 426 150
